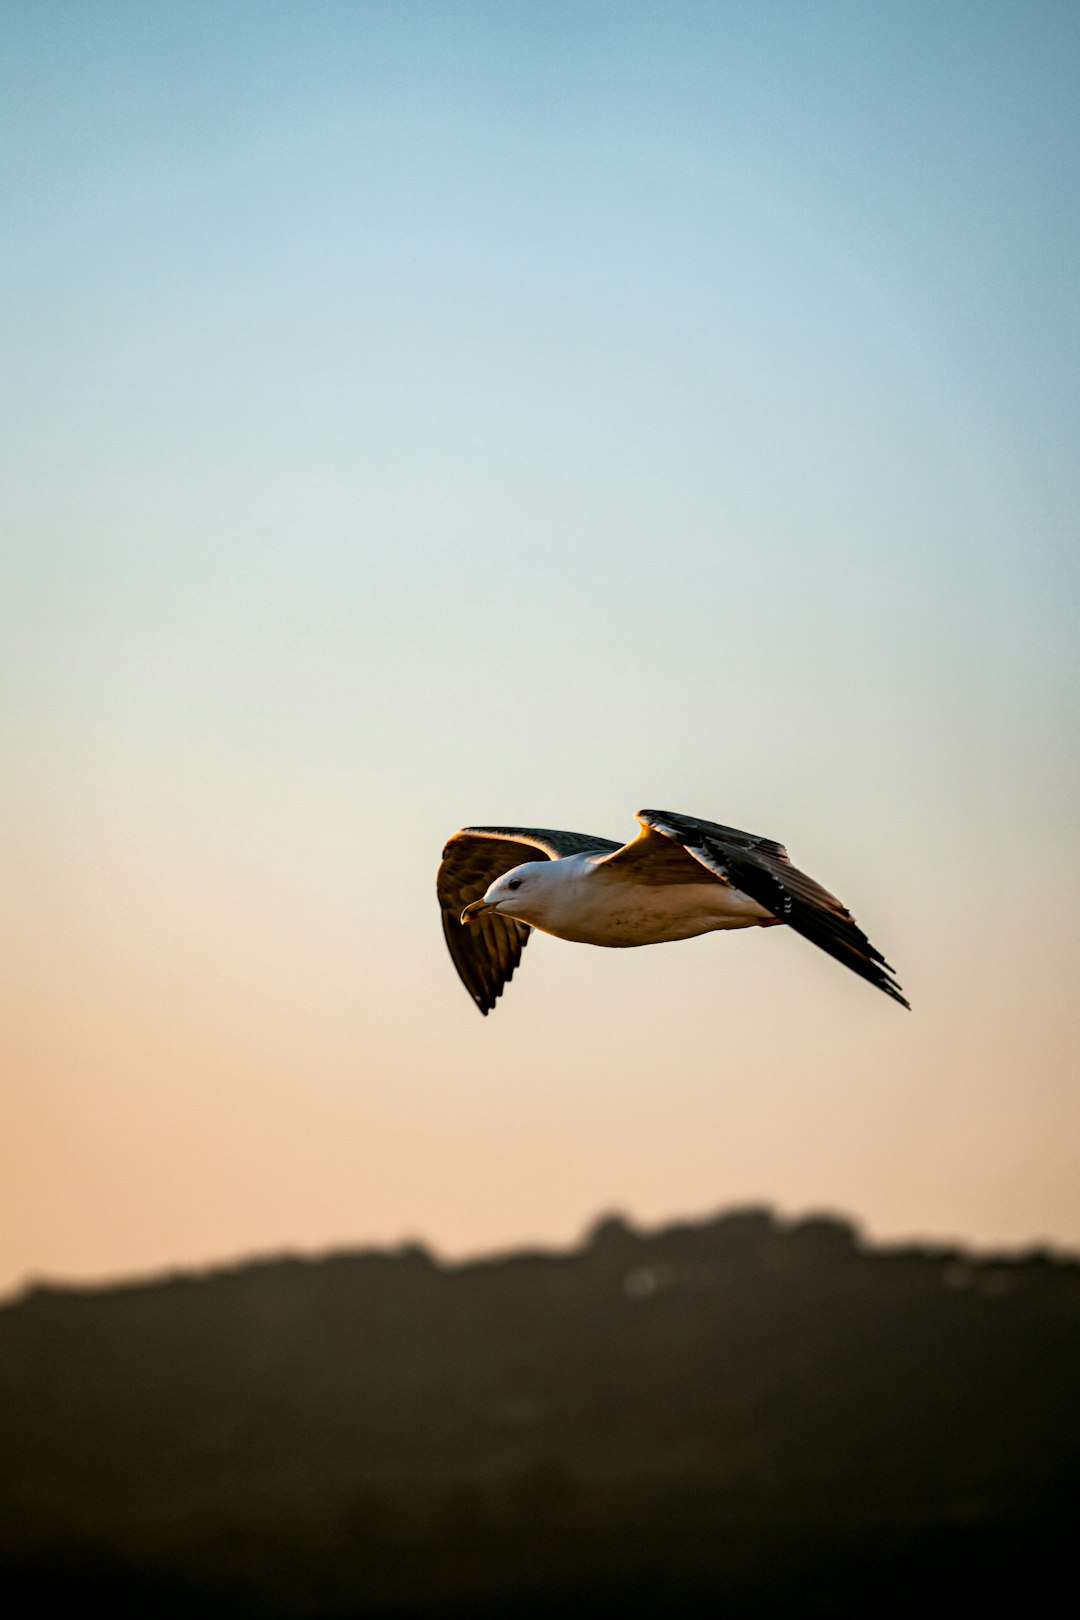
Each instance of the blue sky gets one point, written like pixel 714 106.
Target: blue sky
pixel 429 413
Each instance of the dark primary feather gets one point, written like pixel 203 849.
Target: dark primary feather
pixel 487 951
pixel 760 867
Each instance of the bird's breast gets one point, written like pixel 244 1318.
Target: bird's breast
pixel 598 910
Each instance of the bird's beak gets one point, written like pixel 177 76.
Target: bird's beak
pixel 474 910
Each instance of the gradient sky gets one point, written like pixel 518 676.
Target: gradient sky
pixel 419 414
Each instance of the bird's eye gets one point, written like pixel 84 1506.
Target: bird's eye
pixel 514 883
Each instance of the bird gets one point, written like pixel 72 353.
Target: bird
pixel 679 876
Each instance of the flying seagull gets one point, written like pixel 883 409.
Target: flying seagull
pixel 680 876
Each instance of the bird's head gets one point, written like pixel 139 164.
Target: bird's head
pixel 519 893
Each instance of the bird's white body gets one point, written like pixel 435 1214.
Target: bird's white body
pixel 581 898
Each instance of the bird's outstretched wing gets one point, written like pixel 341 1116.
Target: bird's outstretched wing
pixel 760 867
pixel 487 951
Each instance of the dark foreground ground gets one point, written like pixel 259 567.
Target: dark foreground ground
pixel 737 1418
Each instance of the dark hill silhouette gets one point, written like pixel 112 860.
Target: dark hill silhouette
pixel 735 1417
